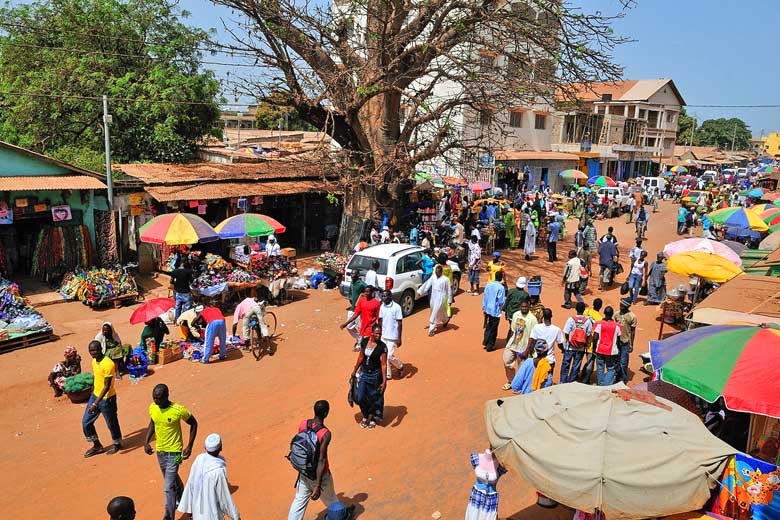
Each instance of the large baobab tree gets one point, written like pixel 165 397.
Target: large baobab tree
pixel 398 83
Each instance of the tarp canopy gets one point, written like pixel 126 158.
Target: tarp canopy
pixel 629 453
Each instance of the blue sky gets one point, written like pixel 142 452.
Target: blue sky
pixel 720 52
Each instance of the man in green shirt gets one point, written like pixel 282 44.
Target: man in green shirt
pixel 356 289
pixel 165 425
pixel 514 298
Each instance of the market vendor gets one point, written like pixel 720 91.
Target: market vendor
pixel 187 326
pixel 272 248
pixel 112 347
pixel 249 309
pixel 70 366
pixel 214 322
pixel 155 329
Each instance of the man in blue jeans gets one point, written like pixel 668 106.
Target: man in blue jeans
pixel 165 425
pixel 627 321
pixel 181 279
pixel 102 401
pixel 576 333
pixel 605 338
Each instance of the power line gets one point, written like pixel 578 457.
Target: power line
pixel 733 106
pixel 120 99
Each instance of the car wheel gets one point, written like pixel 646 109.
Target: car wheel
pixel 407 302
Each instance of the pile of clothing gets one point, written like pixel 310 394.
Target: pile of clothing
pixel 60 249
pixel 214 262
pixel 16 313
pixel 332 261
pixel 272 268
pixel 208 279
pixel 238 275
pixel 96 286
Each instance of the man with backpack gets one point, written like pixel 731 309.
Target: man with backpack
pixel 576 332
pixel 309 456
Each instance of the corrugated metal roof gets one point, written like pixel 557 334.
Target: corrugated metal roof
pixel 531 155
pixel 51 182
pixel 226 190
pixel 159 173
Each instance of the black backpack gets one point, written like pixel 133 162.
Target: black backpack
pixel 305 450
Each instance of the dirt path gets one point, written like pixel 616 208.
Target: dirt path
pixel 415 465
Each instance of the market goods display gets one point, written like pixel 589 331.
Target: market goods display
pixel 216 262
pixel 238 275
pixel 333 262
pixel 78 383
pixel 272 268
pixel 97 286
pixel 16 313
pixel 61 249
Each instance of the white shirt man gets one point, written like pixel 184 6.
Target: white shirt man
pixel 272 248
pixel 390 317
pixel 207 494
pixel 384 236
pixel 551 334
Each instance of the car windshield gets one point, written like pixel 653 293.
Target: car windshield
pixel 363 263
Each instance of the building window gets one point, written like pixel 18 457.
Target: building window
pixel 485 117
pixel 642 113
pixel 515 119
pixel 540 122
pixel 670 117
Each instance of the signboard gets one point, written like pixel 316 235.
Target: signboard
pixel 486 160
pixel 61 213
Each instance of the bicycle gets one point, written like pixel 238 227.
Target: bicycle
pixel 260 344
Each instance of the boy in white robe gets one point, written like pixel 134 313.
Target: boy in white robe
pixel 207 495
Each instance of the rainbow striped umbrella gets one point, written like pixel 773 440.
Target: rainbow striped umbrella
pixel 767 169
pixel 600 180
pixel 760 208
pixel 690 162
pixel 737 362
pixel 177 229
pixel 738 217
pixel 770 213
pixel 248 225
pixel 773 197
pixel 573 175
pixel 679 169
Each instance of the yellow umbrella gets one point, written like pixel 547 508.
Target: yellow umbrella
pixel 760 208
pixel 704 265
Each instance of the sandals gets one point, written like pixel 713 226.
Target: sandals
pixel 371 425
pixel 94 450
pixel 364 423
pixel 507 386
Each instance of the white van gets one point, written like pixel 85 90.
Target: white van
pixel 742 172
pixel 653 183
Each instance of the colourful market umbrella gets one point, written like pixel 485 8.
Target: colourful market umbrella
pixel 600 180
pixel 704 265
pixel 768 169
pixel 737 362
pixel 479 186
pixel 760 208
pixel 177 229
pixel 702 244
pixel 772 197
pixel 248 225
pixel 251 152
pixel 735 216
pixel 573 175
pixel 151 309
pixel 723 204
pixel 690 162
pixel 770 212
pixel 679 169
pixel 756 193
pixel 772 220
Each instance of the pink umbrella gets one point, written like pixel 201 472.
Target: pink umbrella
pixel 705 245
pixel 479 186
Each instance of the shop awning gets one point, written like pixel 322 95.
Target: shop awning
pixel 226 190
pixel 754 299
pixel 532 155
pixel 51 182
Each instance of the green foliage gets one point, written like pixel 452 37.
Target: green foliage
pixel 721 132
pixel 685 125
pixel 79 156
pixel 78 382
pixel 269 115
pixel 135 50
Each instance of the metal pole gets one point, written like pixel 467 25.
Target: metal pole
pixel 106 137
pixel 734 137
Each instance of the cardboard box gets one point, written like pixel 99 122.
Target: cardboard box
pixel 169 355
pixel 288 252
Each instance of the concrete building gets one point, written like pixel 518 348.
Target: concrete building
pixel 772 145
pixel 621 129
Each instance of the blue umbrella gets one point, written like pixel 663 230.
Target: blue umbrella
pixel 756 192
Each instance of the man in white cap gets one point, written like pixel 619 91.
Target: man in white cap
pixel 384 236
pixel 187 323
pixel 207 494
pixel 272 247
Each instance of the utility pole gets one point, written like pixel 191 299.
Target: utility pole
pixel 734 137
pixel 109 180
pixel 693 131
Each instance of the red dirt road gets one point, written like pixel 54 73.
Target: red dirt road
pixel 413 466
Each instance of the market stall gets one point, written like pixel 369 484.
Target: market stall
pixel 21 325
pixel 99 287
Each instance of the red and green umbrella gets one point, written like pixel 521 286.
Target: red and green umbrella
pixel 176 229
pixel 740 363
pixel 249 225
pixel 572 175
pixel 768 169
pixel 600 180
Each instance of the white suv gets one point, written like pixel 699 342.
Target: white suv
pixel 398 271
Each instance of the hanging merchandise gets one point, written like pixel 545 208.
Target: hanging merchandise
pixel 60 249
pixel 97 286
pixel 105 238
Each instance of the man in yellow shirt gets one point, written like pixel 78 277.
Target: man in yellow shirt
pixel 165 425
pixel 594 313
pixel 102 401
